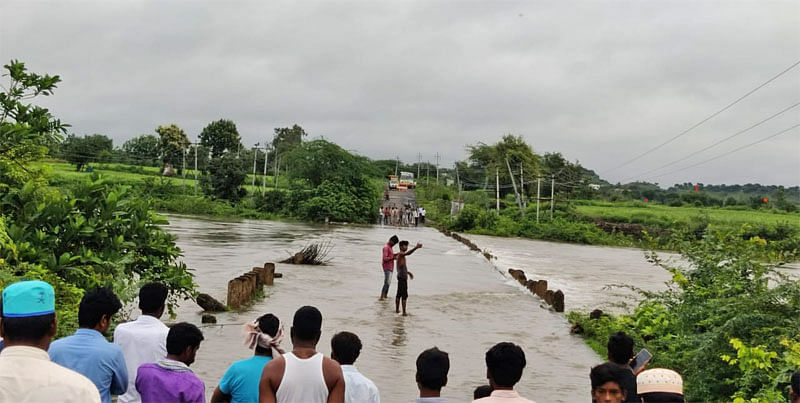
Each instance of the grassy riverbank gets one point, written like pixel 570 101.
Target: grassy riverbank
pixel 636 224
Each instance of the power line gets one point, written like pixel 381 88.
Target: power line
pixel 713 115
pixel 731 151
pixel 753 126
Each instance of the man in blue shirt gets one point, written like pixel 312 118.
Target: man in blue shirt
pixel 241 380
pixel 88 352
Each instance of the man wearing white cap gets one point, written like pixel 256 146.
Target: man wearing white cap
pixel 660 385
pixel 26 373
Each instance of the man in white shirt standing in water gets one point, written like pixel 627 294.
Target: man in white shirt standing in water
pixel 145 339
pixel 303 375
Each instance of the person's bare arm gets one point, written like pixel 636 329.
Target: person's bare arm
pixel 219 397
pixel 334 379
pixel 419 245
pixel 270 380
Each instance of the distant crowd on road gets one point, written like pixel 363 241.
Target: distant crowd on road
pixel 404 216
pixel 150 362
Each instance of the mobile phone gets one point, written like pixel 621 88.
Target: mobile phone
pixel 640 360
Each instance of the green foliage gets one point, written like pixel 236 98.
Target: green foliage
pixel 142 150
pixel 288 138
pixel 725 290
pixel 509 151
pixel 172 143
pixel 25 129
pixel 220 136
pixel 81 151
pixel 225 177
pixel 319 161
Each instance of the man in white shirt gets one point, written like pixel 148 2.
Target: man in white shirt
pixel 26 373
pixel 345 349
pixel 145 339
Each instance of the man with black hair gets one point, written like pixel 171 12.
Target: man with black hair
pixel 27 326
pixel 170 379
pixel 345 349
pixel 303 375
pixel 403 275
pixel 240 382
pixel 432 368
pixel 504 364
pixel 795 394
pixel 88 352
pixel 607 383
pixel 387 263
pixel 145 339
pixel 620 353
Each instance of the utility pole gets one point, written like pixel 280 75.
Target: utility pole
pixel 458 181
pixel 396 164
pixel 428 175
pixel 437 168
pixel 419 162
pixel 276 169
pixel 183 181
pixel 522 186
pixel 195 169
pixel 255 155
pixel 514 183
pixel 538 189
pixel 552 196
pixel 497 188
pixel 264 178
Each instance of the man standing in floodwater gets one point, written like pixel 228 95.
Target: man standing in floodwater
pixel 387 262
pixel 402 276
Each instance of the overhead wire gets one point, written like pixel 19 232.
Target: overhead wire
pixel 731 151
pixel 718 142
pixel 698 124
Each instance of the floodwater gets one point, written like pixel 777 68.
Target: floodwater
pixel 458 301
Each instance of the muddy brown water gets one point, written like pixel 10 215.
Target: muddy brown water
pixel 458 301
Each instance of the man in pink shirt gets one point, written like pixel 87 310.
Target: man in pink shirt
pixel 504 365
pixel 387 262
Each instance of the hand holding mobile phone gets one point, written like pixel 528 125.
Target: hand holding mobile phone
pixel 640 361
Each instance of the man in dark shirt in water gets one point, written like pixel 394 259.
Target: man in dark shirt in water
pixel 402 275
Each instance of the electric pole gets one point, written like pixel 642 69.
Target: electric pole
pixel 522 186
pixel 552 196
pixel 419 162
pixel 437 167
pixel 255 155
pixel 264 178
pixel 514 183
pixel 538 197
pixel 183 181
pixel 428 174
pixel 396 164
pixel 195 169
pixel 497 188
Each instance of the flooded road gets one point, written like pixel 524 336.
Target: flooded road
pixel 458 301
pixel 586 274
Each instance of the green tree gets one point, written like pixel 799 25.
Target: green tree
pixel 25 129
pixel 320 160
pixel 225 177
pixel 509 151
pixel 142 150
pixel 81 151
pixel 220 136
pixel 173 144
pixel 287 138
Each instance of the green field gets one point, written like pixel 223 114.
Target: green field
pixel 60 172
pixel 666 216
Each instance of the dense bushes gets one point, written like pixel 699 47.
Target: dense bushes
pixel 720 306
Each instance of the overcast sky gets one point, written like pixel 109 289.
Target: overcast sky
pixel 598 81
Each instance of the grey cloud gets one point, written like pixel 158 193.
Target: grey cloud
pixel 598 81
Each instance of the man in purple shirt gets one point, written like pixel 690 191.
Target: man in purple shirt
pixel 387 262
pixel 170 379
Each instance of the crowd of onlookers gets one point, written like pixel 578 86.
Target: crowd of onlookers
pixel 150 362
pixel 405 216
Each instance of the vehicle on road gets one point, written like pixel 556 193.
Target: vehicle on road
pixel 407 180
pixel 393 182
